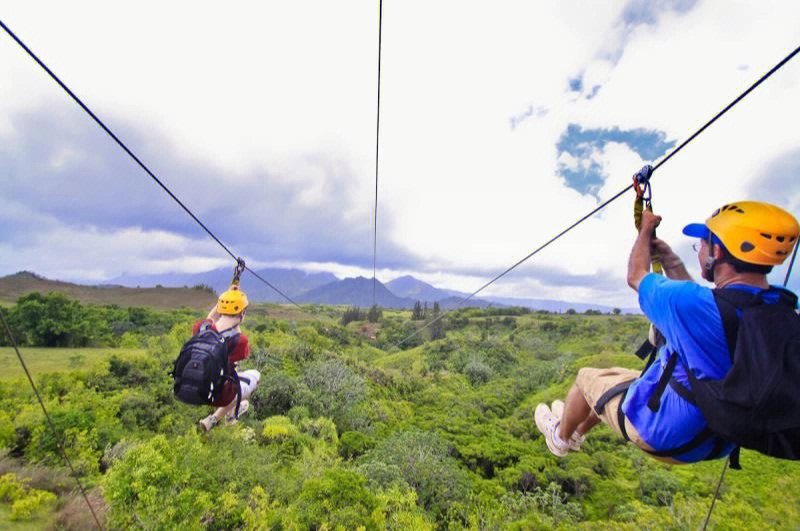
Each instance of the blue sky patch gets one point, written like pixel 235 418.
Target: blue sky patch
pixel 647 11
pixel 577 145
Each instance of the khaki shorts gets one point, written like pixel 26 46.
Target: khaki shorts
pixel 593 383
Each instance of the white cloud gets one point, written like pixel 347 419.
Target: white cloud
pixel 259 87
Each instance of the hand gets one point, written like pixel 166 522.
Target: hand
pixel 649 222
pixel 214 314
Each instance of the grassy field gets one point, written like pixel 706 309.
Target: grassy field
pixel 42 360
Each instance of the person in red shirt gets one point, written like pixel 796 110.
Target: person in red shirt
pixel 225 316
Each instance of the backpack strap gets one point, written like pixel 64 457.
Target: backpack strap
pixel 729 301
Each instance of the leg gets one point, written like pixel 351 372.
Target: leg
pixel 576 412
pixel 249 381
pixel 586 426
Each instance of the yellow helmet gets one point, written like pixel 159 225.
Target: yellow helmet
pixel 754 232
pixel 232 302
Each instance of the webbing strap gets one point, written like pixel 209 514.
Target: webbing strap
pixel 682 391
pixel 727 304
pixel 655 399
pixel 696 442
pixel 620 388
pixel 621 417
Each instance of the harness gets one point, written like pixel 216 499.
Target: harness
pixel 730 322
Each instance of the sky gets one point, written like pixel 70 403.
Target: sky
pixel 501 124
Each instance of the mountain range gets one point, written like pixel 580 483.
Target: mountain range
pixel 327 288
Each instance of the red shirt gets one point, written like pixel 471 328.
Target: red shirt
pixel 239 352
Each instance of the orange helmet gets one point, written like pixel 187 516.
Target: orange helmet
pixel 232 302
pixel 754 232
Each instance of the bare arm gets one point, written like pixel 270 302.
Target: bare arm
pixel 213 314
pixel 639 261
pixel 673 266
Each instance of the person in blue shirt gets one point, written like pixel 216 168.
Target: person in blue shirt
pixel 737 247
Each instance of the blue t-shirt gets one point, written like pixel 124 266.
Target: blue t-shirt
pixel 687 316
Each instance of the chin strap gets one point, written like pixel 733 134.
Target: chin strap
pixel 710 262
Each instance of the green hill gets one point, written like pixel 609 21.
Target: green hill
pixel 18 284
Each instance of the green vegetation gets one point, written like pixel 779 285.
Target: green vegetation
pixel 48 360
pixel 350 432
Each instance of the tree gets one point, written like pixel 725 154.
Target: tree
pixel 353 313
pixel 417 313
pixel 617 311
pixel 437 328
pixel 374 314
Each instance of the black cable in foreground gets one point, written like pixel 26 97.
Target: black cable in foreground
pixel 49 420
pixel 377 147
pixel 620 193
pixel 132 155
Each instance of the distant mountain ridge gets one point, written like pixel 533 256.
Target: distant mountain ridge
pixel 303 287
pixel 355 292
pixel 292 282
pixel 410 287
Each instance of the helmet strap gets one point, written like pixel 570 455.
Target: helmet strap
pixel 710 261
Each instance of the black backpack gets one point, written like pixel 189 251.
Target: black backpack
pixel 201 370
pixel 756 405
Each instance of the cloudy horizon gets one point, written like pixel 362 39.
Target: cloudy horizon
pixel 500 125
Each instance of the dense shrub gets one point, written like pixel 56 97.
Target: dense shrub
pixel 333 390
pixel 354 444
pixel 477 371
pixel 423 461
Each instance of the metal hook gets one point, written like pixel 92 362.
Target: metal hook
pixel 238 270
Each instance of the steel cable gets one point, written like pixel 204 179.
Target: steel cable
pixel 616 196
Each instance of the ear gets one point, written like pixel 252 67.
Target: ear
pixel 717 253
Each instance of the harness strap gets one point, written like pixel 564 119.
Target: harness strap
pixel 682 391
pixel 237 383
pixel 621 417
pixel 620 388
pixel 655 399
pixel 696 442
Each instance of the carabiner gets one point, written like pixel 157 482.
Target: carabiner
pixel 237 271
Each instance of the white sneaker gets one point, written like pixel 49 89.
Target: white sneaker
pixel 548 424
pixel 229 417
pixel 208 422
pixel 574 441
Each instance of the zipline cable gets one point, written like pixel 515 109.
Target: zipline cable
pixel 725 466
pixel 49 420
pixel 377 147
pixel 133 156
pixel 616 196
